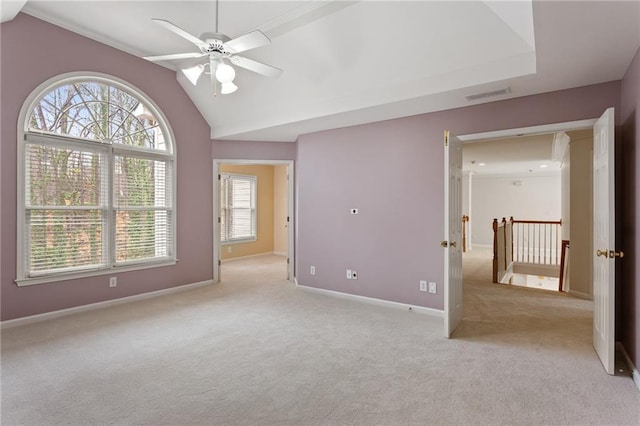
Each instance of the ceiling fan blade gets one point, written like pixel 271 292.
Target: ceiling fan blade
pixel 256 66
pixel 179 31
pixel 248 41
pixel 174 56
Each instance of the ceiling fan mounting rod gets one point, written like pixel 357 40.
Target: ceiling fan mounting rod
pixel 217 15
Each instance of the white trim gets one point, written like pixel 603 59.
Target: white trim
pixel 372 301
pixel 290 210
pixel 241 162
pixel 253 179
pixel 635 374
pixel 280 253
pixel 170 156
pixel 530 175
pixel 532 130
pixel 250 256
pixel 580 295
pixel 54 277
pixel 483 246
pixel 240 241
pixel 99 305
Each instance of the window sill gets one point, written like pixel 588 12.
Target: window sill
pixel 45 279
pixel 245 240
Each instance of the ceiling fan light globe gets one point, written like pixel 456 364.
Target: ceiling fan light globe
pixel 228 88
pixel 225 73
pixel 193 73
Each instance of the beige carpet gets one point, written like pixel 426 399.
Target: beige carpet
pixel 256 350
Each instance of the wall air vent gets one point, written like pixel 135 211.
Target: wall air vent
pixel 477 96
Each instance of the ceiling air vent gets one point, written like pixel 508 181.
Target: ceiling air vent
pixel 477 96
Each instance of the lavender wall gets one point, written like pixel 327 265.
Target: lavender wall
pixel 33 51
pixel 393 172
pixel 251 150
pixel 630 296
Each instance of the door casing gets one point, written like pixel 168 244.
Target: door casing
pixel 290 210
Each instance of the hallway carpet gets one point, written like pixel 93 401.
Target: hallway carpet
pixel 254 349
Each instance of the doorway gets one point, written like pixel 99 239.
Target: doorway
pixel 521 179
pixel 576 130
pixel 260 223
pixel 604 220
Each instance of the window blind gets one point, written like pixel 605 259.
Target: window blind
pixel 66 202
pixel 142 214
pixel 238 207
pixel 96 182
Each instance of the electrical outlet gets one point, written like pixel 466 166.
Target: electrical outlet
pixel 432 287
pixel 312 270
pixel 354 211
pixel 113 281
pixel 349 274
pixel 354 275
pixel 423 286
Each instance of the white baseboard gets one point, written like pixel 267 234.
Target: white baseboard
pixel 635 374
pixel 231 259
pixel 99 305
pixel 363 299
pixel 580 295
pixel 482 246
pixel 281 253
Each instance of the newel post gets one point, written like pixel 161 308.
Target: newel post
pixel 495 250
pixel 511 220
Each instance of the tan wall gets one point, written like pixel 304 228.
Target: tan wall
pixel 581 212
pixel 264 242
pixel 280 195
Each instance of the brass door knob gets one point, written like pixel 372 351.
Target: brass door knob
pixel 613 254
pixel 444 244
pixel 604 253
pixel 452 243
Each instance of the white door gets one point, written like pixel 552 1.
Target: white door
pixel 604 240
pixel 452 233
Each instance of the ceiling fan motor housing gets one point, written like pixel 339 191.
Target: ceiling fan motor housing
pixel 214 43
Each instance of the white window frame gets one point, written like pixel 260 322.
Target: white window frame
pixel 254 208
pixel 22 278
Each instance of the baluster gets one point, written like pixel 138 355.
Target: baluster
pixel 545 243
pixel 519 242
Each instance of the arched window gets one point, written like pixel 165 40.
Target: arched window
pixel 96 181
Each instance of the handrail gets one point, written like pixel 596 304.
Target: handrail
pixel 530 242
pixel 537 241
pixel 544 222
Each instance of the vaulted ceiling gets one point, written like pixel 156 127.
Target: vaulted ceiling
pixel 352 62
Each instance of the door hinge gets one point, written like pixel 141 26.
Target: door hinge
pixel 446 138
pixel 219 220
pixel 288 260
pixel 287 219
pixel 219 177
pixel 219 262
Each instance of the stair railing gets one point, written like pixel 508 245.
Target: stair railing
pixel 525 242
pixel 537 241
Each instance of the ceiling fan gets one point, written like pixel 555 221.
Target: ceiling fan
pixel 218 49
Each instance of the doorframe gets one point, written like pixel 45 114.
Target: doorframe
pixel 290 210
pixel 530 130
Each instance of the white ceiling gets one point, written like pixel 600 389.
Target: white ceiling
pixel 352 62
pixel 515 156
